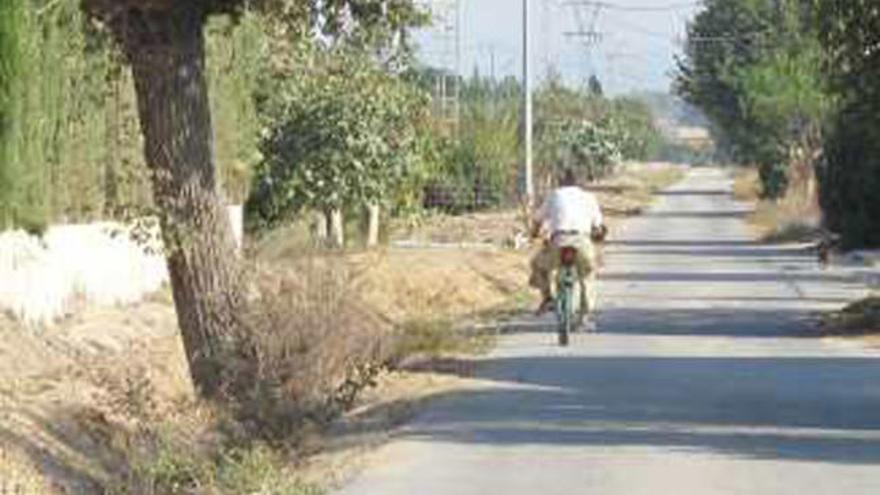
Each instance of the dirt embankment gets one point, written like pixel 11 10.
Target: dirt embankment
pixel 73 397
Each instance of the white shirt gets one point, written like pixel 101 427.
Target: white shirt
pixel 570 209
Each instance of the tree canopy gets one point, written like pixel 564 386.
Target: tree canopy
pixel 343 134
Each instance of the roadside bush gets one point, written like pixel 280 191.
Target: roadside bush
pixel 310 346
pixel 593 149
pixel 174 462
pixel 470 177
pixel 341 135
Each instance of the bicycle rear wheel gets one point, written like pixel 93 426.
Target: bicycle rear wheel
pixel 566 313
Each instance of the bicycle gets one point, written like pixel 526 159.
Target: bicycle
pixel 570 294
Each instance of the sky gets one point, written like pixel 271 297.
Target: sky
pixel 638 40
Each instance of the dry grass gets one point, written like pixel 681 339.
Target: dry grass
pixel 782 221
pixel 19 475
pixel 746 185
pixel 790 219
pixel 116 378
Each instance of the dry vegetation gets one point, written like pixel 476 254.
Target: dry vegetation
pixel 102 403
pixel 791 219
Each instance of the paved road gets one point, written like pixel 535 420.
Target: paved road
pixel 704 379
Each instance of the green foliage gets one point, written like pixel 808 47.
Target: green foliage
pixel 237 55
pixel 172 469
pixel 753 66
pixel 641 140
pixel 849 172
pixel 593 149
pixel 593 134
pixel 11 24
pixel 595 131
pixel 725 37
pixel 782 80
pixel 343 134
pixel 70 142
pixel 477 169
pixel 55 73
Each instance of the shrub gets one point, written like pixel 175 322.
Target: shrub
pixel 309 346
pixel 170 466
pixel 342 135
pixel 594 149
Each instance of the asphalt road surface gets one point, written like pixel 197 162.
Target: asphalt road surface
pixel 704 378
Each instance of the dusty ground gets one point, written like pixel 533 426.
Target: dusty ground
pixel 72 395
pixel 69 392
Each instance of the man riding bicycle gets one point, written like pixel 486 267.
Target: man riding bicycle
pixel 569 216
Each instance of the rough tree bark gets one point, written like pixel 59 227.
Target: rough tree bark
pixel 163 42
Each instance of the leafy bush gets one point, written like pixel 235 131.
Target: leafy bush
pixel 171 465
pixel 593 149
pixel 342 135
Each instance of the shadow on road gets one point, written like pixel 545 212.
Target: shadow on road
pixel 681 243
pixel 731 322
pixel 748 407
pixel 763 253
pixel 694 192
pixel 708 277
pixel 736 214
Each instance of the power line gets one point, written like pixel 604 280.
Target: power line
pixel 637 29
pixel 634 8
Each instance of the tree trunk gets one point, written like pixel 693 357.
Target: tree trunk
pixel 372 225
pixel 337 229
pixel 166 52
pixel 320 226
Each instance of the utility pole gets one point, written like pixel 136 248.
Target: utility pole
pixel 459 73
pixel 529 192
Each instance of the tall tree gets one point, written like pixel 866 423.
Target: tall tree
pixel 849 172
pixel 163 42
pixel 725 37
pixel 752 67
pixel 10 60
